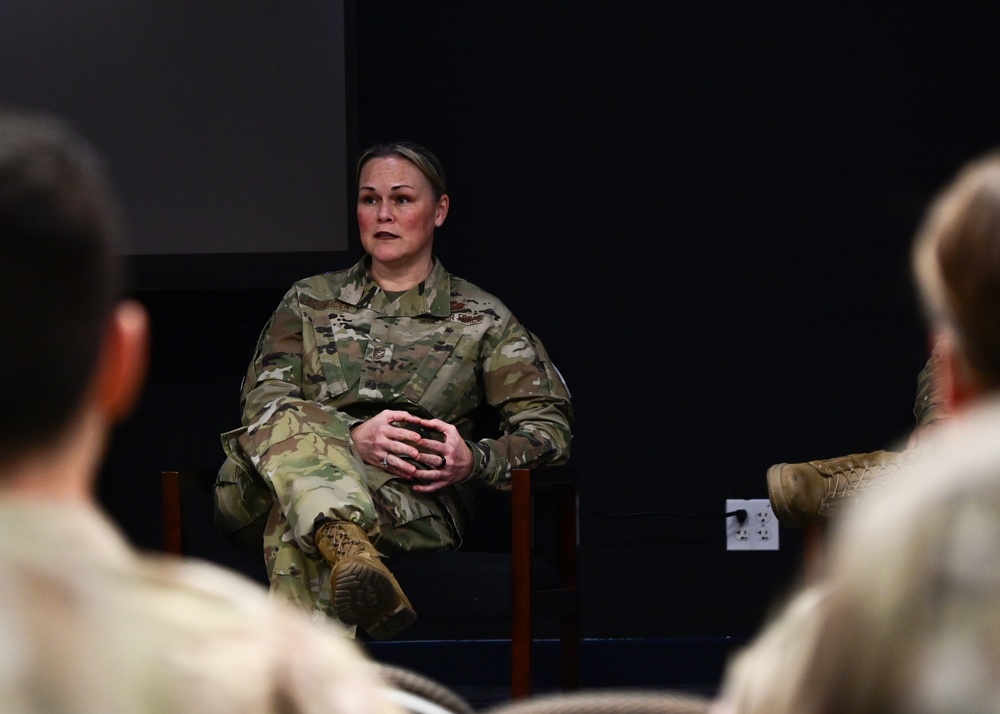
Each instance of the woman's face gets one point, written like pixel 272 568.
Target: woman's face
pixel 397 212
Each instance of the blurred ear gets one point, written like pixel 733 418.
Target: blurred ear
pixel 124 358
pixel 958 386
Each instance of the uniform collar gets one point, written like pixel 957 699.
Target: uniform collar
pixel 431 297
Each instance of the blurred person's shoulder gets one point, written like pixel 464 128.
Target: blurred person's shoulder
pixel 260 644
pixel 80 604
pixel 958 460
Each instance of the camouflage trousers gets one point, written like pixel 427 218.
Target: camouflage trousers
pixel 396 518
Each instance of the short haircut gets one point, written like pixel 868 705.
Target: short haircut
pixel 956 260
pixel 59 226
pixel 418 155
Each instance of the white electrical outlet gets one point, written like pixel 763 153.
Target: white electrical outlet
pixel 760 529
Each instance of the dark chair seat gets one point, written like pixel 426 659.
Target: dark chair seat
pixel 465 594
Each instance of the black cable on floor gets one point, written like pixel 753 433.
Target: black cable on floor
pixel 740 513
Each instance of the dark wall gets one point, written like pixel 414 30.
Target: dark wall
pixel 704 210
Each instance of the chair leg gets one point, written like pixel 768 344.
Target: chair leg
pixel 565 598
pixel 569 582
pixel 172 539
pixel 520 644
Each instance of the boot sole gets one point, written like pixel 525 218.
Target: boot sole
pixel 366 596
pixel 776 492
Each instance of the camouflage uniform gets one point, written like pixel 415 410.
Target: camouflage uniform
pixel 338 351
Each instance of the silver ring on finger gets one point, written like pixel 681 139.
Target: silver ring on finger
pixel 385 460
pixel 443 462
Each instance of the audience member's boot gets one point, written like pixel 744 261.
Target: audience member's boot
pixel 364 593
pixel 810 492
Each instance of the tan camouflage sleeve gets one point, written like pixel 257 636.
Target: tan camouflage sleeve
pixel 289 436
pixel 536 413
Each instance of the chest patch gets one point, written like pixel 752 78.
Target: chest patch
pixel 467 319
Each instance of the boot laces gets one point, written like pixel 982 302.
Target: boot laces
pixel 859 473
pixel 347 544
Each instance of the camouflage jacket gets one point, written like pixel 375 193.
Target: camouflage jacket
pixel 337 351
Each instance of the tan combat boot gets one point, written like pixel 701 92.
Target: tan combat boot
pixel 364 592
pixel 810 492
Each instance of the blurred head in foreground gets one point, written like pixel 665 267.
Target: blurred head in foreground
pixel 956 264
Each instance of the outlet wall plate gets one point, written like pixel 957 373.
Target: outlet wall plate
pixel 758 532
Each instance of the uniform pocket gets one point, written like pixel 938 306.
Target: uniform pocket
pixel 323 342
pixel 441 382
pixel 419 521
pixel 242 498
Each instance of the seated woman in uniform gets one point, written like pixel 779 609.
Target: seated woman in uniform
pixel 356 407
